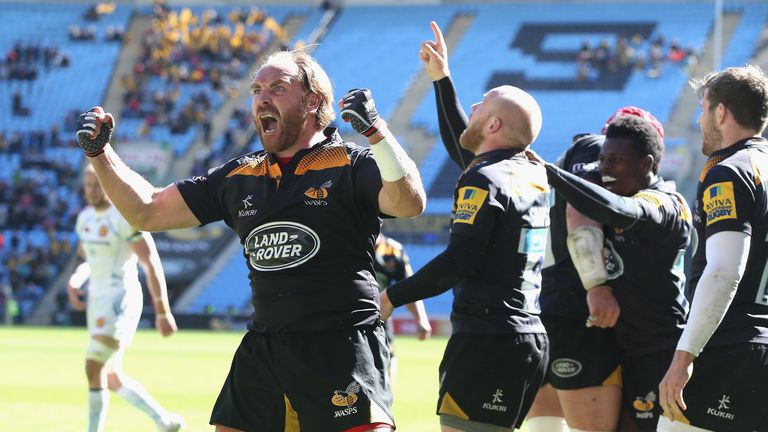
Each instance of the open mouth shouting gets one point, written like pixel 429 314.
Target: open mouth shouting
pixel 268 123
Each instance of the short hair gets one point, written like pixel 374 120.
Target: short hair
pixel 313 79
pixel 743 90
pixel 645 138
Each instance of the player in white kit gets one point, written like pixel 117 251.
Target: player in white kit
pixel 112 249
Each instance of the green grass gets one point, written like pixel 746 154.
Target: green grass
pixel 43 386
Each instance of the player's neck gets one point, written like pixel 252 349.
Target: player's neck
pixel 102 206
pixel 308 138
pixel 731 137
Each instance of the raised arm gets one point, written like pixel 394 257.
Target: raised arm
pixel 402 193
pixel 146 207
pixel 450 115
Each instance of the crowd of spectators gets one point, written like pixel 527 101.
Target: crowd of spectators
pixel 184 48
pixel 221 152
pixel 632 53
pixel 28 270
pixel 39 198
pixel 24 61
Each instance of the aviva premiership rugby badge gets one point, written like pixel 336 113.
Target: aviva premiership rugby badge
pixel 468 203
pixel 719 202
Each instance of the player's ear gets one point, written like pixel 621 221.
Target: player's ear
pixel 313 101
pixel 646 163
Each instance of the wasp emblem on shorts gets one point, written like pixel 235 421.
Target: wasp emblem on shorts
pixel 348 397
pixel 645 404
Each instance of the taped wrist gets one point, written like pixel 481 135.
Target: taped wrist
pixel 585 245
pixel 392 160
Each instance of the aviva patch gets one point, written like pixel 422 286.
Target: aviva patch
pixel 719 202
pixel 468 203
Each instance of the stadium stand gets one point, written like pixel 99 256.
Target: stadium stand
pixel 53 46
pixel 190 58
pixel 580 60
pixel 545 41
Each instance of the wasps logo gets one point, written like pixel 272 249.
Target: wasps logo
pixel 644 404
pixel 320 192
pixel 346 398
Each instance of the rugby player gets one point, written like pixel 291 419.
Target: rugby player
pixel 499 226
pixel 307 210
pixel 716 380
pixel 648 228
pixel 112 248
pixel 584 361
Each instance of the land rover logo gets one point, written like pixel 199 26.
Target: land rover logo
pixel 280 245
pixel 565 367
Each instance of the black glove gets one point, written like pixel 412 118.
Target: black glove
pixel 93 133
pixel 357 107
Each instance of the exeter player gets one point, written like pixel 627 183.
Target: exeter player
pixel 112 248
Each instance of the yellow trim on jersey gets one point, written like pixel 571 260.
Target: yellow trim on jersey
pixel 649 197
pixel 468 202
pixel 450 407
pixel 614 378
pixel 291 417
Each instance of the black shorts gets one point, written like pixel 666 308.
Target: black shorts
pixel 640 397
pixel 324 381
pixel 580 357
pixel 492 378
pixel 728 390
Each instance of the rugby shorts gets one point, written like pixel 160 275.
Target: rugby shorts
pixel 309 381
pixel 641 376
pixel 115 314
pixel 580 357
pixel 492 378
pixel 728 390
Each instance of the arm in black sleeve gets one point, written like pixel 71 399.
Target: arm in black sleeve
pixel 459 259
pixel 452 121
pixel 594 201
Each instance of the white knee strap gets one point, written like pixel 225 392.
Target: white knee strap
pixel 583 430
pixel 546 424
pixel 99 351
pixel 667 425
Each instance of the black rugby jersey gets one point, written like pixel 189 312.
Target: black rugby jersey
pixel 645 239
pixel 392 263
pixel 503 200
pixel 562 292
pixel 499 226
pixel 308 232
pixel 732 196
